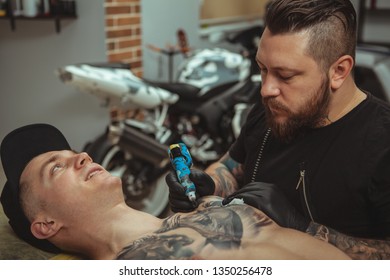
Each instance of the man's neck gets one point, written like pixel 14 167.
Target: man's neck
pixel 344 102
pixel 118 229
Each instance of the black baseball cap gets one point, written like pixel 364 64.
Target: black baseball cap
pixel 17 149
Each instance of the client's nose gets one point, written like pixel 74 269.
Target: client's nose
pixel 82 159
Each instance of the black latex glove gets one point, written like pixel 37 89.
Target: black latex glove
pixel 178 200
pixel 272 201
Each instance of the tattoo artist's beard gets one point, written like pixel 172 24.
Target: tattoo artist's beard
pixel 313 114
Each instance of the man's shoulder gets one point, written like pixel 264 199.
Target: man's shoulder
pixel 377 104
pixel 375 113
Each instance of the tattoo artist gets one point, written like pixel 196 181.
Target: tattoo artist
pixel 314 154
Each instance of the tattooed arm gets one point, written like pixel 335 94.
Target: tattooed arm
pixel 227 175
pixel 356 248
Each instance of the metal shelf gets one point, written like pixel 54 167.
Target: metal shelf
pixel 56 19
pixel 57 16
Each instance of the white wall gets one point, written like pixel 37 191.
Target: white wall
pixel 376 23
pixel 29 90
pixel 160 21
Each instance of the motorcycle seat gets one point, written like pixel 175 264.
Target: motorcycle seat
pixel 185 91
pixel 192 93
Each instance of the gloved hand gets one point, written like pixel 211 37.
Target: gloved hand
pixel 272 201
pixel 178 200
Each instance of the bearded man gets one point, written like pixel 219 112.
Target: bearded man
pixel 320 143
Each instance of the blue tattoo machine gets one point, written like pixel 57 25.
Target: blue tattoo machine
pixel 181 161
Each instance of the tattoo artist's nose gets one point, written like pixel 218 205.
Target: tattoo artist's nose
pixel 82 159
pixel 269 87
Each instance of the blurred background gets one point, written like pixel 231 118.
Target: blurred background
pixel 32 49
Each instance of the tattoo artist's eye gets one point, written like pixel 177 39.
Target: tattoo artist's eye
pixel 286 78
pixel 263 70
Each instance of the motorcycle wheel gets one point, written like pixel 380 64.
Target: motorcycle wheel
pixel 144 187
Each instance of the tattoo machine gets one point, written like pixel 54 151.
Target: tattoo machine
pixel 181 161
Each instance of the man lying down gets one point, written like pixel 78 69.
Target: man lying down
pixel 60 201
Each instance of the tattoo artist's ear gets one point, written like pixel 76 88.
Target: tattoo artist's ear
pixel 44 229
pixel 340 70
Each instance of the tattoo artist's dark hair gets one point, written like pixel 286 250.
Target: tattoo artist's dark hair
pixel 331 25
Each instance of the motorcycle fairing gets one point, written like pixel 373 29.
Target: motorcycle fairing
pixel 210 68
pixel 118 87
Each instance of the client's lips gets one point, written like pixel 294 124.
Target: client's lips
pixel 92 172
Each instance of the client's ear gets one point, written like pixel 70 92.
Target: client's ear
pixel 44 229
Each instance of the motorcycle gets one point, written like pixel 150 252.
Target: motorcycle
pixel 204 109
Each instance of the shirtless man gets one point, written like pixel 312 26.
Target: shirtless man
pixel 235 231
pixel 57 199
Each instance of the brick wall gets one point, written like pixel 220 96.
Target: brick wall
pixel 123 33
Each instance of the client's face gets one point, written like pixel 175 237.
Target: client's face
pixel 69 185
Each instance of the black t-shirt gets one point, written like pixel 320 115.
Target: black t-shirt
pixel 345 165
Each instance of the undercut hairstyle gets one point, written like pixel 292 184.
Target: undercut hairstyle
pixel 29 203
pixel 331 26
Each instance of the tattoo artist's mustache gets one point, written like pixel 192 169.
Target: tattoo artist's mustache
pixel 271 102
